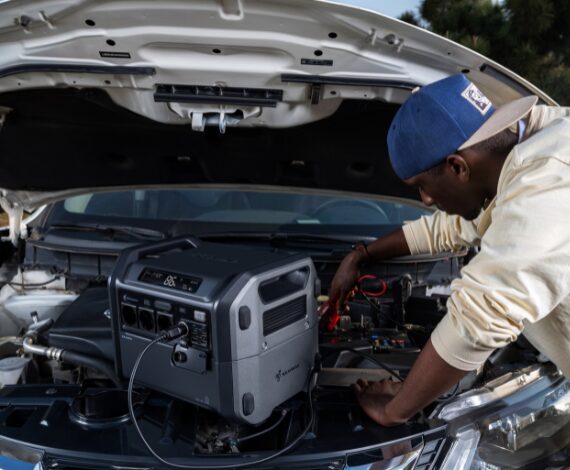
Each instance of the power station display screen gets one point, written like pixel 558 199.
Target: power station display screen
pixel 170 280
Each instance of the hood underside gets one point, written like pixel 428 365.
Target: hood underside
pixel 105 145
pixel 293 93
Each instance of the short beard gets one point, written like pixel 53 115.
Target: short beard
pixel 472 215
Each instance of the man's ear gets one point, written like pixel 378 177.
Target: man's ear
pixel 459 167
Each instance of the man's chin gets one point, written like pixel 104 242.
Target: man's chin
pixel 471 215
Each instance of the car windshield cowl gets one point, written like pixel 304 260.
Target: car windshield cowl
pixel 113 230
pixel 281 237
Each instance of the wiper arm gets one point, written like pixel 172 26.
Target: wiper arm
pixel 283 237
pixel 112 230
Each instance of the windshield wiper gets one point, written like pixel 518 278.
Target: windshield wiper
pixel 113 230
pixel 284 237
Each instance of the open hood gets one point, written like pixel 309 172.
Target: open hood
pixel 272 92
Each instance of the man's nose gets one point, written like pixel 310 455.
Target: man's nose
pixel 427 200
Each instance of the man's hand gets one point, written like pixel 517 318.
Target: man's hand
pixel 390 404
pixel 345 279
pixel 393 244
pixel 382 387
pixel 373 398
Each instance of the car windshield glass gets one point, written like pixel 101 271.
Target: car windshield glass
pixel 241 207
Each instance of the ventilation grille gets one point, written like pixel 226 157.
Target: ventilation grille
pixel 284 315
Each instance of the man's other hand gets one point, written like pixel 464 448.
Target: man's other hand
pixel 345 279
pixel 388 246
pixel 373 398
pixel 390 404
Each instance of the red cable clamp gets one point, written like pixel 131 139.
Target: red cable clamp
pixel 365 283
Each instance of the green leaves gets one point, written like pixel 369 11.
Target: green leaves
pixel 530 37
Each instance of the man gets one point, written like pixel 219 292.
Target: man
pixel 501 180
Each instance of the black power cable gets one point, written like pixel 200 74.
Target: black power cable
pixel 178 332
pixel 265 431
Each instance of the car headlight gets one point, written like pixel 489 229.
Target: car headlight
pixel 18 456
pixel 519 420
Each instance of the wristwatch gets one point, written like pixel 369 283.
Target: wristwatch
pixel 362 247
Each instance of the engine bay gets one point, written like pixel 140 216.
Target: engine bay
pixel 69 344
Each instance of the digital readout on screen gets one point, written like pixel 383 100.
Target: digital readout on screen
pixel 170 280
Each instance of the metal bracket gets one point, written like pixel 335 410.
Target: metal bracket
pixel 201 120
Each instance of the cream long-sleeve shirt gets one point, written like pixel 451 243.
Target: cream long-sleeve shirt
pixel 520 279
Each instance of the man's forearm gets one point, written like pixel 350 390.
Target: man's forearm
pixel 429 378
pixel 389 246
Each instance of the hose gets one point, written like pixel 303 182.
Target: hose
pixel 71 357
pixel 93 363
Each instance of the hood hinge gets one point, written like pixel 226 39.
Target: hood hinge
pixel 15 217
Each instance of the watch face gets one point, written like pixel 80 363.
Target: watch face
pixel 362 247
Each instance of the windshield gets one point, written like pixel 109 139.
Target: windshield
pixel 241 207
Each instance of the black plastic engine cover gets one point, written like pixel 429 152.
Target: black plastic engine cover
pixel 83 326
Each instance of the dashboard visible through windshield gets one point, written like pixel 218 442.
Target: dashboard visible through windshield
pixel 234 206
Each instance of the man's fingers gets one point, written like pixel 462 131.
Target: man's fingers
pixel 396 386
pixel 393 386
pixel 384 387
pixel 363 383
pixel 345 297
pixel 356 388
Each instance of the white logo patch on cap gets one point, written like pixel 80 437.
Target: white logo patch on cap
pixel 476 98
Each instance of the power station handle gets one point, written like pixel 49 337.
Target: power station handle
pixel 143 251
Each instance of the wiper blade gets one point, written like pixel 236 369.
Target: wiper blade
pixel 283 237
pixel 112 230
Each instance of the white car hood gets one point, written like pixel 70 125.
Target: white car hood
pixel 222 63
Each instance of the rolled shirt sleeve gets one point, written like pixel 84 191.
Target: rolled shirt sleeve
pixel 440 232
pixel 522 271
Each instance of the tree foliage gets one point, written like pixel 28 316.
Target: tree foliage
pixel 531 37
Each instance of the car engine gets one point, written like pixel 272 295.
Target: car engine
pixel 85 332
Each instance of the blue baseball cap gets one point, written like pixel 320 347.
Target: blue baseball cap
pixel 443 117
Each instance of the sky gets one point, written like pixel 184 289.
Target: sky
pixel 388 7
